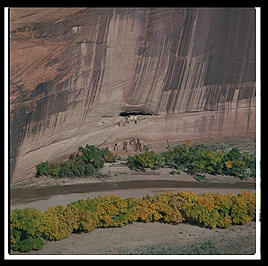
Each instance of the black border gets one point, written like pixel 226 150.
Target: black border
pixel 77 3
pixel 136 3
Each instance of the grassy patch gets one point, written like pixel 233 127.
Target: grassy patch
pixel 205 248
pixel 170 248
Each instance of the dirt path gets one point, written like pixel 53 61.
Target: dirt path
pixel 26 194
pixel 44 203
pixel 118 179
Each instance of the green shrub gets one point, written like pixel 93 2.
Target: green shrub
pixel 87 204
pixel 25 234
pixel 250 162
pixel 28 243
pixel 237 168
pixel 194 159
pixel 131 162
pixel 92 155
pixel 42 169
pixel 200 159
pixel 199 214
pixel 26 220
pixel 144 160
pixel 233 154
pixel 168 156
pixel 87 164
pixel 243 208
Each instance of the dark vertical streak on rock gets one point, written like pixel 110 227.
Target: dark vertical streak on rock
pixel 179 70
pixel 184 60
pixel 99 65
pixel 19 120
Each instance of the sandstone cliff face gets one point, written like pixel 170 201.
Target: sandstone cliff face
pixel 187 73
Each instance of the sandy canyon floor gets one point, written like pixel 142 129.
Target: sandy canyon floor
pixel 141 238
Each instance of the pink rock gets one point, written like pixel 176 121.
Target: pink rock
pixel 188 73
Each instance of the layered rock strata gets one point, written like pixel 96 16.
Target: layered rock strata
pixel 80 75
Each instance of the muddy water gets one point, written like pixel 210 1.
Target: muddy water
pixel 37 193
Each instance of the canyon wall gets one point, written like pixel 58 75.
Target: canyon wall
pixel 76 73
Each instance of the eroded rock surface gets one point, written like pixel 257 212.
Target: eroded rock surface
pixel 78 74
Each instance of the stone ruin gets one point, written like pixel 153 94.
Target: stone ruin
pixel 134 144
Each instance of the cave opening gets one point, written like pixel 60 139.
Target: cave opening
pixel 134 113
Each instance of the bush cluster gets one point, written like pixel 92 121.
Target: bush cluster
pixel 144 160
pixel 198 159
pixel 25 235
pixel 90 160
pixel 30 227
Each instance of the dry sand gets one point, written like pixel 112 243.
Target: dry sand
pixel 156 238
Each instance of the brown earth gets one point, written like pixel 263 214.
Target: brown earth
pixel 156 238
